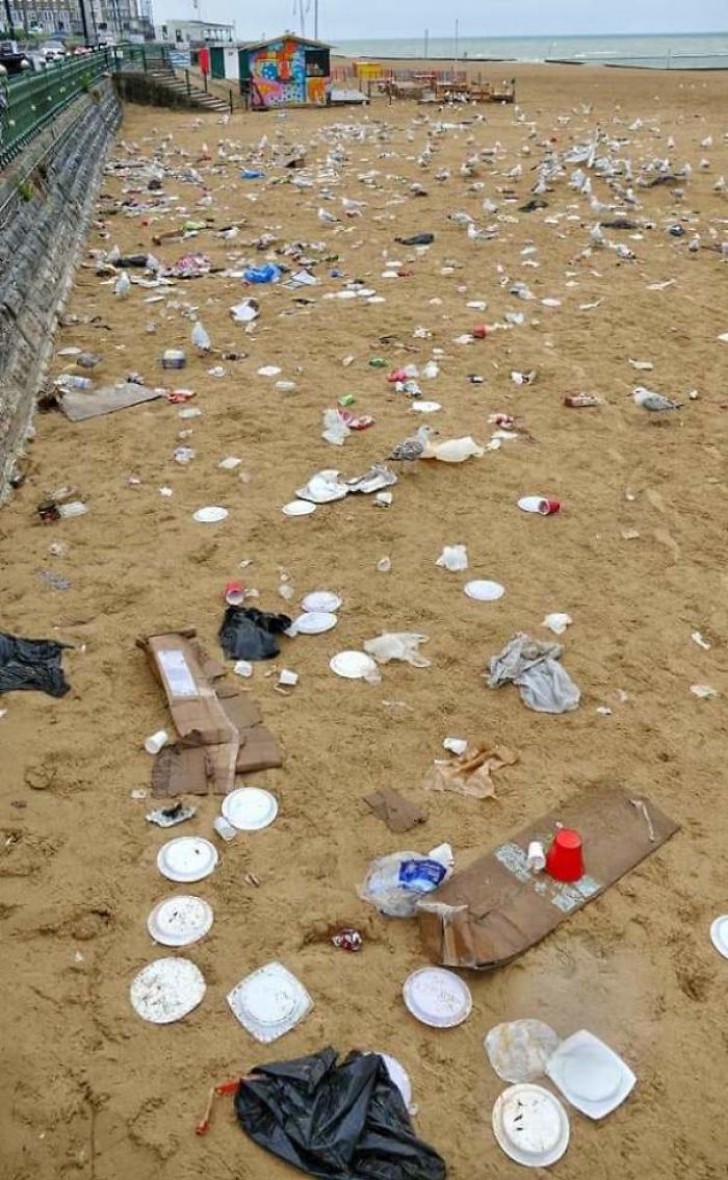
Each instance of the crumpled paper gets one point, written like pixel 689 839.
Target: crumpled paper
pixel 470 774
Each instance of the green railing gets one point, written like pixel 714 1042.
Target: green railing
pixel 30 102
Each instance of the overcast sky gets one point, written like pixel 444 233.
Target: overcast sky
pixel 348 20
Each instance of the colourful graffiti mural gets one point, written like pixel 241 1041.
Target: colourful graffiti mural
pixel 288 73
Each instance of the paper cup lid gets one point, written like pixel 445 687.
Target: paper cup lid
pixel 426 407
pixel 321 600
pixel 315 622
pixel 298 508
pixel 437 997
pixel 188 858
pixel 531 503
pixel 210 515
pixel 531 1125
pixel 249 809
pixel 719 935
pixel 166 990
pixel 180 921
pixel 484 591
pixel 352 665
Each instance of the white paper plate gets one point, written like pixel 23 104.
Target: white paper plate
pixel 270 1002
pixel 437 997
pixel 180 921
pixel 484 591
pixel 352 665
pixel 166 990
pixel 298 508
pixel 719 935
pixel 426 407
pixel 531 503
pixel 315 622
pixel 590 1075
pixel 188 858
pixel 210 515
pixel 530 1125
pixel 249 809
pixel 321 600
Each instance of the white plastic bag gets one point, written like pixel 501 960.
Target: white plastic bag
pixel 200 339
pixel 400 645
pixel 453 558
pixel 335 429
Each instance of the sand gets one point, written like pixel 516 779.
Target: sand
pixel 90 1090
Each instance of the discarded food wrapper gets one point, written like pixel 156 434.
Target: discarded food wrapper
pixel 347 939
pixel 168 817
pixel 470 772
pixel 395 884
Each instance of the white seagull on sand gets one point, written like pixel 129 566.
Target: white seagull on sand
pixel 414 447
pixel 654 403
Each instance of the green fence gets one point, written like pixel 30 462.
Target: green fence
pixel 29 102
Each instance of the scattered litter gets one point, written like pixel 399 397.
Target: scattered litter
pixel 402 645
pixel 32 664
pixel 470 773
pixel 167 990
pixel 519 1051
pixel 558 622
pixel 269 1003
pixel 169 817
pixel 453 558
pixel 703 692
pixel 533 666
pixel 396 883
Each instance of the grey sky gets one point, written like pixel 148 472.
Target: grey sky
pixel 348 20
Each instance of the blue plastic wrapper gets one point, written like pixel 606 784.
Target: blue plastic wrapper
pixel 262 274
pixel 423 876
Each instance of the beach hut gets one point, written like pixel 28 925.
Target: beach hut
pixel 287 71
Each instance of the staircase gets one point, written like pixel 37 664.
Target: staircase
pixel 166 77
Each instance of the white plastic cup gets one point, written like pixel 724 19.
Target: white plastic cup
pixel 288 678
pixel 224 830
pixel 536 857
pixel 156 742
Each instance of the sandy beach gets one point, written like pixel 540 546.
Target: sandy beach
pixel 637 557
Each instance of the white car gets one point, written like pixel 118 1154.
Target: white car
pixel 54 51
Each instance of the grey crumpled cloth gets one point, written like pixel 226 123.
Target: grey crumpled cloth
pixel 533 665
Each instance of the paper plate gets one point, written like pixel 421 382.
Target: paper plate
pixel 590 1075
pixel 188 858
pixel 180 921
pixel 321 600
pixel 426 407
pixel 315 622
pixel 719 935
pixel 352 665
pixel 166 990
pixel 270 1002
pixel 210 515
pixel 530 1125
pixel 531 503
pixel 484 591
pixel 298 508
pixel 249 809
pixel 437 997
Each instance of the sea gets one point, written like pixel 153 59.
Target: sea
pixel 693 51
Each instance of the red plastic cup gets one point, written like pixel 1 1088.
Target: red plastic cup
pixel 549 507
pixel 235 593
pixel 565 860
pixel 479 332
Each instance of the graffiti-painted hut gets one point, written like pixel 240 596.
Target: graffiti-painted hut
pixel 288 71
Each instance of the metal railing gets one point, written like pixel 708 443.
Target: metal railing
pixel 29 102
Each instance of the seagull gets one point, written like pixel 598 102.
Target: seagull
pixel 327 218
pixel 412 448
pixel 654 403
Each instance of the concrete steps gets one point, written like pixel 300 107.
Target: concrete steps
pixel 195 95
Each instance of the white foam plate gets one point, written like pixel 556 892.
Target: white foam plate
pixel 484 591
pixel 180 921
pixel 249 809
pixel 321 600
pixel 315 622
pixel 437 997
pixel 530 503
pixel 298 508
pixel 270 1002
pixel 426 407
pixel 166 990
pixel 530 1125
pixel 210 515
pixel 188 858
pixel 352 665
pixel 590 1075
pixel 719 935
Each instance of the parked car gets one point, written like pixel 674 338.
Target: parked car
pixel 11 58
pixel 53 51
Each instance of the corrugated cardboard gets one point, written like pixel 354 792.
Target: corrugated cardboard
pixel 198 716
pixel 495 910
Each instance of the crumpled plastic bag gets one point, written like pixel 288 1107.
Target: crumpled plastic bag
pixel 249 634
pixel 395 884
pixel 335 429
pixel 470 774
pixel 533 666
pixel 398 645
pixel 335 1121
pixel 31 664
pixel 453 450
pixel 453 558
pixel 520 1049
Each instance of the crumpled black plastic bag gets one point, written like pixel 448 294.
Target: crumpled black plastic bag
pixel 337 1122
pixel 249 634
pixel 31 664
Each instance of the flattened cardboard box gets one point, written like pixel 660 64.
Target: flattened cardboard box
pixel 498 908
pixel 198 716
